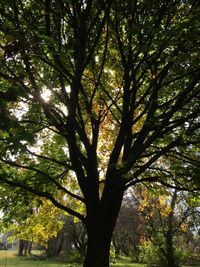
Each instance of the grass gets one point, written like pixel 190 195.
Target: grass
pixel 9 259
pixel 125 262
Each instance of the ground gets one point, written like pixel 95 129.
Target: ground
pixel 8 259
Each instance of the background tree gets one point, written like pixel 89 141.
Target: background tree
pixel 129 227
pixel 127 68
pixel 79 238
pixel 28 219
pixel 44 223
pixel 168 215
pixel 16 207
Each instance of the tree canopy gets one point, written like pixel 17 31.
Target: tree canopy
pixel 98 96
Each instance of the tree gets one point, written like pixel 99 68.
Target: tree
pixel 44 223
pixel 94 94
pixel 28 219
pixel 168 214
pixel 16 207
pixel 79 238
pixel 129 227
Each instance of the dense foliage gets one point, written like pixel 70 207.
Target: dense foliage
pixel 98 96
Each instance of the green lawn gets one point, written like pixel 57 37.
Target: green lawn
pixel 126 263
pixel 8 259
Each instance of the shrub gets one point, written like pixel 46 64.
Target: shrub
pixel 151 254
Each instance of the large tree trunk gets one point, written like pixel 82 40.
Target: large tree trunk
pixel 30 247
pixel 170 252
pixel 66 244
pixel 54 245
pixel 98 248
pixel 171 262
pixel 21 247
pixel 100 229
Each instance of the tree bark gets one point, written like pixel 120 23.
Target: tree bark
pixel 171 262
pixel 30 247
pixel 25 247
pixel 21 247
pixel 100 229
pixel 66 244
pixel 98 249
pixel 170 252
